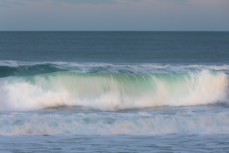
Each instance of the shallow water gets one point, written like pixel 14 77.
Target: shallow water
pixel 114 144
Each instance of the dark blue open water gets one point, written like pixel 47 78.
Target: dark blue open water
pixel 114 92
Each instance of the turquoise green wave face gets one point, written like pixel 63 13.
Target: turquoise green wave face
pixel 95 84
pixel 107 91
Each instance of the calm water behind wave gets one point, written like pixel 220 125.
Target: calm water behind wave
pixel 116 47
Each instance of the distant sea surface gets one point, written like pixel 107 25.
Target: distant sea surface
pixel 114 92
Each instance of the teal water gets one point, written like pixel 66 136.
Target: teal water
pixel 118 47
pixel 114 92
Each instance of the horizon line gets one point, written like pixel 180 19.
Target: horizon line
pixel 114 30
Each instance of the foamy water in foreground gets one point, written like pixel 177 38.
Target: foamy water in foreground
pixel 204 120
pixel 182 129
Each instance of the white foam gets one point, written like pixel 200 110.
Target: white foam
pixel 114 123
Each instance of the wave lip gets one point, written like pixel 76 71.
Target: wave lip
pixel 111 92
pixel 12 68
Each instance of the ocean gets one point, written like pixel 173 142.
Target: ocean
pixel 114 92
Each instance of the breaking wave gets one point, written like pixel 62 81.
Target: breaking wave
pixel 112 91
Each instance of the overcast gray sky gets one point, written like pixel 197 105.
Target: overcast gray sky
pixel 140 15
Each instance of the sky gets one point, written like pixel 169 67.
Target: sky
pixel 114 15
